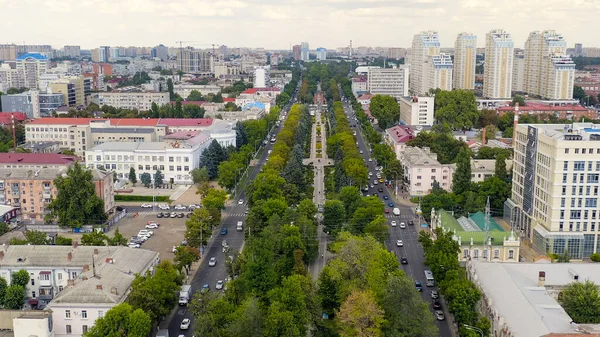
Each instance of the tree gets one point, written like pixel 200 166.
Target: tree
pixel 385 109
pixel 334 214
pixel 461 180
pixel 94 238
pixel 211 157
pixel 241 136
pixel 76 203
pixel 3 287
pixel 457 108
pixel 158 178
pixel 360 315
pixel 185 256
pixel 122 321
pixel 63 241
pixel 581 300
pixel 199 175
pixel 500 170
pixel 20 278
pixel 117 240
pixel 146 179
pixel 172 95
pixel 579 93
pixel 36 237
pixel 595 257
pixel 198 228
pixel 195 95
pixel 132 176
pixel 518 99
pixel 378 229
pixel 14 297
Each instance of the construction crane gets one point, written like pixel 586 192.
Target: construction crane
pixel 197 44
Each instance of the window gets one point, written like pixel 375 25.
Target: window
pixel 575 214
pixel 418 177
pixel 496 253
pixel 33 294
pixel 60 288
pixel 593 178
pixel 187 160
pixel 68 326
pixel 572 202
pixel 32 282
pixel 485 253
pixel 170 159
pixel 566 151
pixel 84 328
pixel 591 202
pixel 100 313
pixel 566 165
pixel 476 253
pixel 511 254
pixel 561 226
pixel 574 178
pixel 67 313
pixel 465 253
pixel 583 151
pixel 171 168
pixel 83 313
pixel 45 277
pixel 576 151
pixel 564 178
pixel 186 168
pixel 579 166
pixel 562 213
pixel 562 202
pixel 178 168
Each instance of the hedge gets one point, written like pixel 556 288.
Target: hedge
pixel 129 197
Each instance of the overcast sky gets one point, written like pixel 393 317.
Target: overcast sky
pixel 277 24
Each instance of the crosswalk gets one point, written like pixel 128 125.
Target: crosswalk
pixel 236 214
pixel 402 216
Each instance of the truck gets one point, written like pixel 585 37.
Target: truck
pixel 240 226
pixel 162 333
pixel 185 294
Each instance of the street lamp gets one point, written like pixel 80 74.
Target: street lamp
pixel 473 328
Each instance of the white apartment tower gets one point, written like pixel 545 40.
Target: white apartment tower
pixel 29 67
pixel 549 71
pixel 498 68
pixel 554 200
pixel 388 81
pixel 437 72
pixel 262 78
pixel 465 52
pixel 426 43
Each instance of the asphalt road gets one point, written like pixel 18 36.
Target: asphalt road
pixel 412 250
pixel 210 275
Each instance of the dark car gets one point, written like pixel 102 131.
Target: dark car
pixel 418 285
pixel 136 239
pixel 224 231
pixel 387 210
pixel 435 294
pixel 437 305
pixel 188 215
pixel 411 223
pixel 385 197
pixel 205 288
pixel 404 260
pixel 180 215
pixel 380 189
pixel 391 204
pixel 160 215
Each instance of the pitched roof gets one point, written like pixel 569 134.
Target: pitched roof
pixel 400 133
pixel 198 103
pixel 228 99
pixel 6 117
pixel 250 91
pixel 61 121
pixel 36 158
pixel 186 121
pixel 134 121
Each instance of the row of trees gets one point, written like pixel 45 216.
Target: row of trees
pixel 460 294
pixel 13 296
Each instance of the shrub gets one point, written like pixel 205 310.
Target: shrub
pixel 128 197
pixel 595 257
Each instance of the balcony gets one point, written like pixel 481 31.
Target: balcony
pixel 47 195
pixel 46 292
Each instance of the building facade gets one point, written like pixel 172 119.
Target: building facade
pixel 397 136
pixel 133 99
pixel 422 169
pixel 359 85
pixel 518 77
pixel 304 51
pixel 417 110
pixel 262 78
pixel 195 61
pixel 554 200
pixel 499 53
pixel 185 89
pixel 438 71
pixel 426 43
pixel 33 103
pixel 72 88
pixel 388 81
pixel 321 54
pixel 465 52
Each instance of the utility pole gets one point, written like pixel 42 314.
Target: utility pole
pixel 14 132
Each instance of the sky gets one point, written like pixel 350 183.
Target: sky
pixel 278 24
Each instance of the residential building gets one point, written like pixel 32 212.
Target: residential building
pixel 422 169
pixel 554 200
pixel 567 111
pixel 417 110
pixel 426 43
pixel 33 103
pixel 365 101
pixel 304 52
pixel 481 169
pixel 518 77
pixel 521 299
pixel 35 161
pixel 195 61
pixel 465 52
pixel 185 89
pixel 131 98
pixel 78 283
pixel 499 53
pixel 437 72
pixel 321 54
pixel 32 189
pixel 388 81
pixel 397 136
pixel 10 52
pixel 549 71
pixel 160 52
pixel 297 51
pixel 28 68
pixel 262 77
pixel 72 51
pixel 474 242
pixel 72 88
pixel 359 85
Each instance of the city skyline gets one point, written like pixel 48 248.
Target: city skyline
pixel 276 24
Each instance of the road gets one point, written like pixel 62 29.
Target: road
pixel 412 250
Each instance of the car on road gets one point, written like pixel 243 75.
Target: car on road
pixel 404 260
pixel 390 204
pixel 375 182
pixel 387 210
pixel 241 202
pixel 152 225
pixel 402 225
pixel 436 304
pixel 223 231
pixel 381 180
pixel 399 243
pixel 185 324
pixel 247 210
pixel 164 206
pixel 394 223
pixel 212 262
pixel 146 206
pixel 205 288
pixel 371 186
pixel 133 245
pixel 439 315
pixel 179 207
pixel 411 223
pixel 370 174
pixel 361 152
pixel 380 190
pixel 418 285
pixel 434 294
pixel 385 197
pixel 219 285
pixel 370 160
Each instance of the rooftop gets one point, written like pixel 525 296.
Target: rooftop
pixel 198 103
pixel 531 106
pixel 36 56
pixel 365 97
pixel 182 135
pixel 400 133
pixel 417 156
pixel 528 310
pixel 228 99
pixel 568 132
pixel 6 117
pixel 125 121
pixel 186 121
pixel 122 130
pixel 27 173
pixel 36 158
pixel 250 91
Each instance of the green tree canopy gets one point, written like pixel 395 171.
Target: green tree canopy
pixel 461 180
pixel 122 321
pixel 385 109
pixel 457 108
pixel 20 278
pixel 581 300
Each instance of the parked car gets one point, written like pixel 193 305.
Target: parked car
pixel 164 207
pixel 146 206
pixel 394 223
pixel 152 225
pixel 205 288
pixel 418 285
pixel 136 239
pixel 193 207
pixel 145 232
pixel 219 285
pixel 179 207
pixel 380 190
pixel 189 215
pixel 436 304
pixel 404 260
pixel 180 215
pixel 402 225
pixel 241 202
pixel 411 223
pixel 399 243
pixel 223 231
pixel 385 197
pixel 434 294
pixel 160 215
pixel 133 245
pixel 173 215
pixel 390 204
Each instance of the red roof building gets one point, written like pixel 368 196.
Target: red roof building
pixel 6 118
pixel 182 122
pixel 17 160
pixel 397 137
pixel 250 91
pixel 563 112
pixel 228 99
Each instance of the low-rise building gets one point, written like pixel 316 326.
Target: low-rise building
pixel 359 85
pixel 481 169
pixel 35 161
pixel 131 98
pixel 397 136
pixel 417 110
pixel 185 89
pixel 78 283
pixel 422 169
pixel 365 101
pixel 567 111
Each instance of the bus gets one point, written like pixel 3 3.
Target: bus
pixel 429 280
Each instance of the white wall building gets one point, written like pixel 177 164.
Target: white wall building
pixel 424 44
pixel 321 54
pixel 465 53
pixel 438 72
pixel 498 68
pixel 130 99
pixel 185 89
pixel 422 169
pixel 262 77
pixel 417 110
pixel 359 85
pixel 388 81
pixel 304 51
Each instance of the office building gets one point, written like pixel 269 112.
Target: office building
pixel 72 51
pixel 321 54
pixel 131 98
pixel 195 61
pixel 33 103
pixel 549 71
pixel 437 72
pixel 72 88
pixel 498 68
pixel 416 110
pixel 160 52
pixel 426 43
pixel 304 52
pixel 465 52
pixel 262 77
pixel 185 89
pixel 36 161
pixel 518 77
pixel 388 81
pixel 554 200
pixel 297 51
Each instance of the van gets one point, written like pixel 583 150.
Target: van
pixel 396 211
pixel 240 226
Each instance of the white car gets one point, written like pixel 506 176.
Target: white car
pixel 146 206
pixel 180 207
pixel 402 225
pixel 361 151
pixel 219 285
pixel 370 174
pixel 174 249
pixel 393 223
pixel 133 245
pixel 164 206
pixel 185 324
pixel 370 160
pixel 399 243
pixel 152 225
pixel 241 202
pixel 212 262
